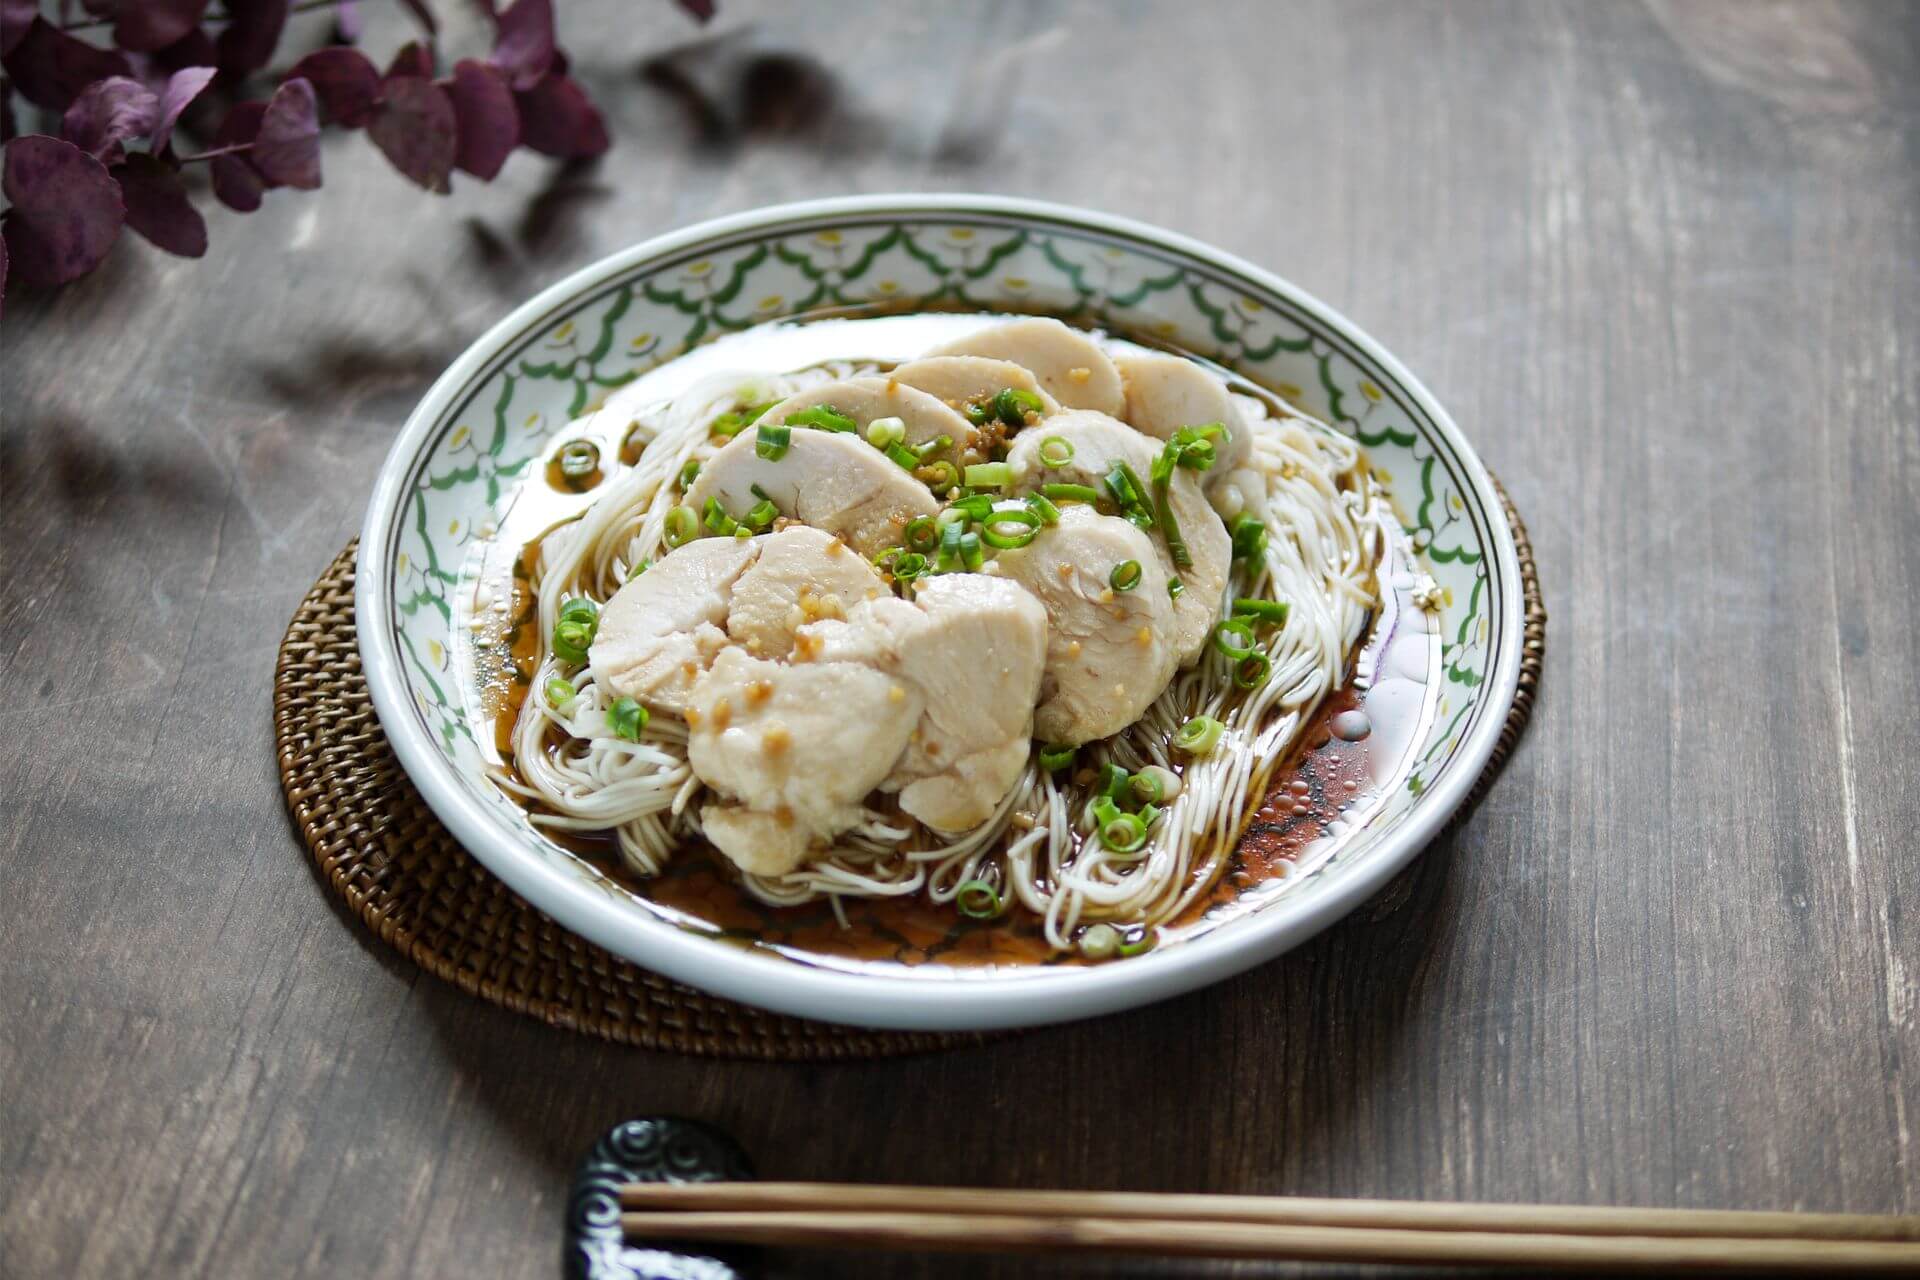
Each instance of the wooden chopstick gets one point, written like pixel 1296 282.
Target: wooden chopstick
pixel 1426 1215
pixel 946 1219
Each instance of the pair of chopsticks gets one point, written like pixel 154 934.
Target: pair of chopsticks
pixel 820 1215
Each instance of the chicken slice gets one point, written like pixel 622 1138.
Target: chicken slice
pixel 802 575
pixel 962 380
pixel 662 628
pixel 926 417
pixel 974 648
pixel 1069 364
pixel 1165 393
pixel 831 480
pixel 1098 442
pixel 1109 653
pixel 799 746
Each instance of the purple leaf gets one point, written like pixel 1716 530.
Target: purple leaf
pixel 236 182
pixel 3 266
pixel 524 46
pixel 50 67
pixel 424 16
pixel 66 209
pixel 7 126
pixel 698 10
pixel 154 24
pixel 248 42
pixel 417 131
pixel 488 121
pixel 347 82
pixel 182 88
pixel 346 21
pixel 414 59
pixel 15 17
pixel 194 49
pixel 158 208
pixel 106 114
pixel 287 149
pixel 556 119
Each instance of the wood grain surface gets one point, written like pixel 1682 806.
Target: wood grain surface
pixel 1661 261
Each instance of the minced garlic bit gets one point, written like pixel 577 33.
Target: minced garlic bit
pixel 1021 820
pixel 1426 593
pixel 1079 373
pixel 783 815
pixel 693 717
pixel 722 715
pixel 1144 635
pixel 758 691
pixel 1073 649
pixel 896 694
pixel 776 739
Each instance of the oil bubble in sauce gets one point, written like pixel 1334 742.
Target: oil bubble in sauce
pixel 1351 726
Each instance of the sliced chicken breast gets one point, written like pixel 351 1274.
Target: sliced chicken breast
pixel 974 648
pixel 1109 653
pixel 798 745
pixel 801 576
pixel 1165 393
pixel 663 627
pixel 959 381
pixel 831 480
pixel 925 416
pixel 1099 442
pixel 1071 366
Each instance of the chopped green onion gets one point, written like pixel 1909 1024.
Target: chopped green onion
pixel 933 448
pixel 1015 527
pixel 1040 506
pixel 882 432
pixel 1199 735
pixel 689 473
pixel 1070 492
pixel 902 457
pixel 571 639
pixel 920 534
pixel 580 609
pixel 683 526
pixel 1054 759
pixel 1198 456
pixel 1234 637
pixel 762 514
pixel 909 566
pixel 560 693
pixel 639 569
pixel 771 442
pixel 1249 539
pixel 978 411
pixel 887 556
pixel 1013 405
pixel 1125 575
pixel 939 476
pixel 1113 781
pixel 579 459
pixel 1140 945
pixel 972 555
pixel 732 424
pixel 1154 785
pixel 1100 942
pixel 1056 451
pixel 822 417
pixel 1174 588
pixel 1124 485
pixel 1124 834
pixel 627 718
pixel 715 517
pixel 951 515
pixel 950 535
pixel 989 475
pixel 1252 671
pixel 976 507
pixel 978 899
pixel 1169 527
pixel 1264 611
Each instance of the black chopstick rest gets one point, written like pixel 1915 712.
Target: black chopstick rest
pixel 651 1149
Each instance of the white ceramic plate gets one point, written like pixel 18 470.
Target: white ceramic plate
pixel 490 421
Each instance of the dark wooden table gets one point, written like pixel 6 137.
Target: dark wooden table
pixel 1663 263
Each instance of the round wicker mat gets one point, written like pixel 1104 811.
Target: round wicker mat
pixel 381 849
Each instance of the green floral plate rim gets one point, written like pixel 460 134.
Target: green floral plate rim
pixel 487 421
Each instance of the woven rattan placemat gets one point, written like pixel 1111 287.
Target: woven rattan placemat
pixel 382 850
